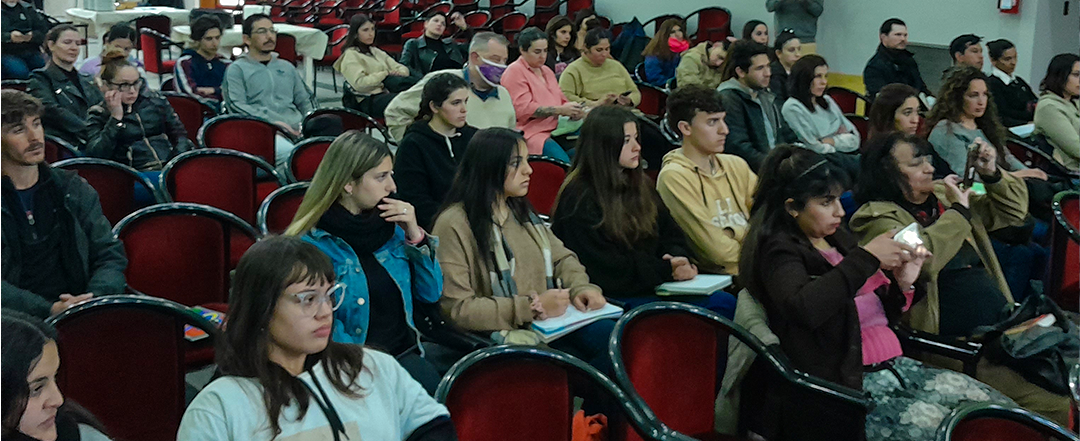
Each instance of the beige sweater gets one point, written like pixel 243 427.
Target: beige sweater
pixel 582 81
pixel 467 298
pixel 493 112
pixel 365 73
pixel 1059 121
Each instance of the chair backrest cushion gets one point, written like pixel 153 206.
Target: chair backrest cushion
pixel 994 429
pixel 245 135
pixel 282 210
pixel 547 178
pixel 181 258
pixel 489 400
pixel 306 161
pixel 115 189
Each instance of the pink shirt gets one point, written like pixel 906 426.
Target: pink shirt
pixel 879 343
pixel 528 92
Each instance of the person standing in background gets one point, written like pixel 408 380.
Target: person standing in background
pixel 801 17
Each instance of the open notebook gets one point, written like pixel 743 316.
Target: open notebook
pixel 702 285
pixel 553 328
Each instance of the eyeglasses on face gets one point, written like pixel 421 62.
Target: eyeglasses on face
pixel 127 87
pixel 311 301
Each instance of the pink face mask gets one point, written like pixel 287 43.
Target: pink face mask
pixel 678 46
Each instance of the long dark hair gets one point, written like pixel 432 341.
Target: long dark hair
pixel 1057 73
pixel 882 113
pixel 658 46
pixel 558 23
pixel 352 38
pixel 802 74
pixel 788 172
pixel 23 341
pixel 748 28
pixel 625 195
pixel 265 270
pixel 950 106
pixel 880 178
pixel 480 181
pixel 437 90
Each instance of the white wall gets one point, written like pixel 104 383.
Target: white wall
pixel 847 29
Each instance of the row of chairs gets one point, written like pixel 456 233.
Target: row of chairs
pixel 668 360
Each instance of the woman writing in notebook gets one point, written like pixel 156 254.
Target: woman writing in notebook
pixel 502 267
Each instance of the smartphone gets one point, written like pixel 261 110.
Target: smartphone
pixel 969 167
pixel 627 93
pixel 909 235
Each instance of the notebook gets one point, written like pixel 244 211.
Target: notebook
pixel 192 333
pixel 702 285
pixel 555 327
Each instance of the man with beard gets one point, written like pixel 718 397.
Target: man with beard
pixel 57 246
pixel 892 63
pixel 753 113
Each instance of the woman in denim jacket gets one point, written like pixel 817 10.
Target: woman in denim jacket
pixel 383 259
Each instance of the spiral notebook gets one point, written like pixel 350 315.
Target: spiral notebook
pixel 555 327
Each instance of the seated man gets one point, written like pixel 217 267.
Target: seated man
pixel 596 79
pixel 965 50
pixel 200 70
pixel 489 104
pixel 23 33
pixel 707 192
pixel 892 63
pixel 261 84
pixel 57 247
pixel 753 113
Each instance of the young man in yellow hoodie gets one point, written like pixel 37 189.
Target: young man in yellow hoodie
pixel 707 192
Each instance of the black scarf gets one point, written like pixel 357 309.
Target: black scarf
pixel 365 232
pixel 925 213
pixel 898 56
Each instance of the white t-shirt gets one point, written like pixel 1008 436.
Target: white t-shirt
pixel 392 405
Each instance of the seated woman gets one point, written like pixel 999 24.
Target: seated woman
pixel 134 126
pixel 120 36
pixel 538 100
pixel 502 267
pixel 432 147
pixel 596 79
pixel 787 50
pixel 1057 116
pixel 379 252
pixel 701 65
pixel 965 287
pixel 662 53
pixel 561 44
pixel 1013 96
pixel 431 52
pixel 832 309
pixel 374 77
pixel 34 408
pixel 895 109
pixel 283 377
pixel 65 93
pixel 816 119
pixel 201 70
pixel 756 31
pixel 609 213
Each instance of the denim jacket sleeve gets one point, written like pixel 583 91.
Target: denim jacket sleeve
pixel 427 279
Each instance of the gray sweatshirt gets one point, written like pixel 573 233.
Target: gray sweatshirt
pixel 798 15
pixel 950 141
pixel 273 91
pixel 812 127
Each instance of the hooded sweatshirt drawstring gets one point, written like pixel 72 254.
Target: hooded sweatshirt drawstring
pixel 701 182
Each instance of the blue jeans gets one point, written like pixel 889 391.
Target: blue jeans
pixel 552 149
pixel 589 343
pixel 17 66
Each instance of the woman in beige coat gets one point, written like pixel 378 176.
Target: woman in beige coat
pixel 372 77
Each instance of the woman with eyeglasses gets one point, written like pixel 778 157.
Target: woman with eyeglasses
pixel 65 93
pixel 283 377
pixel 381 255
pixel 134 126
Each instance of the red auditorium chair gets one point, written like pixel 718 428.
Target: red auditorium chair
pixel 306 158
pixel 526 393
pixel 153 45
pixel 466 7
pixel 713 24
pixel 193 111
pixel 114 182
pixel 861 123
pixel 478 19
pixel 350 120
pixel 547 178
pixel 243 133
pixel 653 101
pixel 286 48
pixel 992 422
pixel 499 8
pixel 573 6
pixel 122 358
pixel 509 25
pixel 659 20
pixel 1065 251
pixel 847 99
pixel 1034 157
pixel 336 36
pixel 57 149
pixel 221 178
pixel 671 357
pixel 279 208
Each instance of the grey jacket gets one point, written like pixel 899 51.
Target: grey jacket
pixel 102 255
pixel 273 91
pixel 798 15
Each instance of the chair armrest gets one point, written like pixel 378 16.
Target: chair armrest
pixel 967 352
pixel 820 386
pixel 433 327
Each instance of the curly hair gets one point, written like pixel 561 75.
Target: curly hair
pixel 950 105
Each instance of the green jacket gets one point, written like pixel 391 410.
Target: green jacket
pixel 1004 204
pixel 102 255
pixel 694 68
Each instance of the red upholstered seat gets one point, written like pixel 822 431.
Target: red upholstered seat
pixel 991 422
pixel 192 112
pixel 114 182
pixel 220 178
pixel 307 156
pixel 122 360
pixel 847 99
pixel 350 120
pixel 861 123
pixel 653 101
pixel 547 177
pixel 57 149
pixel 243 133
pixel 713 24
pixel 279 208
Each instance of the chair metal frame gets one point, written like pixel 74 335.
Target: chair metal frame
pixel 290 175
pixel 254 160
pixel 1029 419
pixel 73 163
pixel 264 207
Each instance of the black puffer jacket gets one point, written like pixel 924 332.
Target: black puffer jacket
pixel 889 66
pixel 149 135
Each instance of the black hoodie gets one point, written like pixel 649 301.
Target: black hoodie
pixel 425 167
pixel 889 66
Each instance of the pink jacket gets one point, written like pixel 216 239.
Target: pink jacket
pixel 529 92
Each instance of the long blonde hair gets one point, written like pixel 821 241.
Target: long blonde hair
pixel 347 159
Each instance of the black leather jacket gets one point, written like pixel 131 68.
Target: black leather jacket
pixel 150 134
pixel 418 56
pixel 64 115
